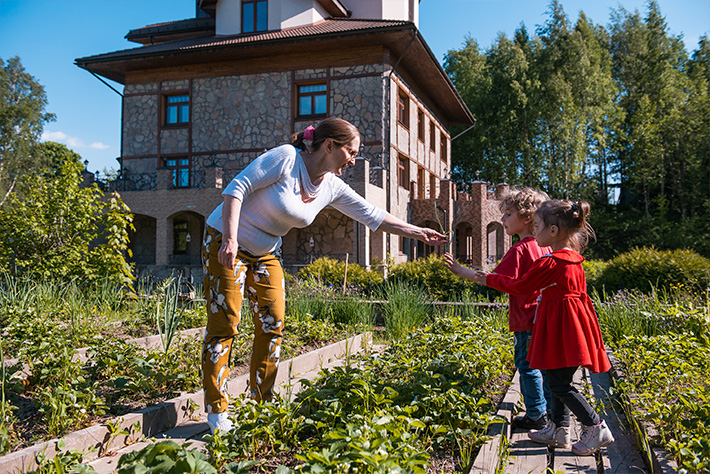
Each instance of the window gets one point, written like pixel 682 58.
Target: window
pixel 254 17
pixel 432 187
pixel 432 136
pixel 312 100
pixel 403 171
pixel 420 125
pixel 443 148
pixel 181 171
pixel 180 236
pixel 403 108
pixel 405 245
pixel 177 109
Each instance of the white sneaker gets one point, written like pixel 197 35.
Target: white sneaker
pixel 219 421
pixel 593 438
pixel 551 435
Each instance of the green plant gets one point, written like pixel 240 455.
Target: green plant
pixel 406 308
pixel 50 227
pixel 168 311
pixel 431 274
pixel 166 457
pixel 63 462
pixel 332 272
pixel 646 268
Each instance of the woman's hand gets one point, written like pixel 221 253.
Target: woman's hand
pixel 228 253
pixel 432 237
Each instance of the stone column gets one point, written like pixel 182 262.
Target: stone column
pixel 164 178
pixel 501 190
pixel 161 241
pixel 213 176
pixel 479 196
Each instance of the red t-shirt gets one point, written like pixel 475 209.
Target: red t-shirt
pixel 514 264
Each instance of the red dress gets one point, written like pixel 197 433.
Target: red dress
pixel 566 330
pixel 515 263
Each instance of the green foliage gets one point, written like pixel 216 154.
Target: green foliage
pixel 615 115
pixel 55 228
pixel 166 457
pixel 646 268
pixel 332 272
pixel 431 275
pixel 668 378
pixel 22 116
pixel 428 392
pixel 593 270
pixel 405 308
pixel 307 299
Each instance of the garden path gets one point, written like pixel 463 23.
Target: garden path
pixel 526 457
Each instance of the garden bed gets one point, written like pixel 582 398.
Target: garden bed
pixel 113 433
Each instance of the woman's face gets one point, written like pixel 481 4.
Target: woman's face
pixel 343 156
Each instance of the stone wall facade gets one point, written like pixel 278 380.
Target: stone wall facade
pixel 234 118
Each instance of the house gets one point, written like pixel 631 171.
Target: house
pixel 204 96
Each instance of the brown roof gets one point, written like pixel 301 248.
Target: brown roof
pixel 401 38
pixel 161 32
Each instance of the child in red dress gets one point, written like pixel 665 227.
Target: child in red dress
pixel 518 208
pixel 566 332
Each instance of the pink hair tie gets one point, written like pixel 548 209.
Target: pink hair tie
pixel 308 135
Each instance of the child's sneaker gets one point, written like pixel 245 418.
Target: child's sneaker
pixel 551 435
pixel 593 438
pixel 527 423
pixel 219 421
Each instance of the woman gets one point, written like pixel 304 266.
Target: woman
pixel 285 187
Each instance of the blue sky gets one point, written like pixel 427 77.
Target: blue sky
pixel 48 35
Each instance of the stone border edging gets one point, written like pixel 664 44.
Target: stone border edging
pixel 488 458
pixel 168 414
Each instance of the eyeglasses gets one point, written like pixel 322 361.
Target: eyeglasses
pixel 352 152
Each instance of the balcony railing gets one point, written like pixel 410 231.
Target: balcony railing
pixel 166 178
pixel 134 182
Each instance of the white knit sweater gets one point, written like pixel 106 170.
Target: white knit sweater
pixel 270 191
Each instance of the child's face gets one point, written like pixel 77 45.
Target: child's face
pixel 514 224
pixel 542 233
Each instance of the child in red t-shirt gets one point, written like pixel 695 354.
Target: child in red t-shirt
pixel 518 208
pixel 566 333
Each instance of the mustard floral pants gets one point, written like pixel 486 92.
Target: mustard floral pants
pixel 262 279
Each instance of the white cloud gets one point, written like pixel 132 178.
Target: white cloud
pixel 72 142
pixel 54 136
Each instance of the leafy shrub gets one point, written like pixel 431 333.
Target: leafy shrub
pixel 647 267
pixel 332 272
pixel 431 274
pixel 593 270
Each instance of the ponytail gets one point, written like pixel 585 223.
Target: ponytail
pixel 340 131
pixel 571 218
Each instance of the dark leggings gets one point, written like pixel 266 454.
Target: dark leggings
pixel 566 398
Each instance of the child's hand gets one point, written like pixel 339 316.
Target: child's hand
pixel 479 277
pixel 452 264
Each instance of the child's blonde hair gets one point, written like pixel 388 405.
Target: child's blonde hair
pixel 571 218
pixel 525 201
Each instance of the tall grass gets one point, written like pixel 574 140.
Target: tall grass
pixel 663 310
pixel 311 299
pixel 406 308
pixel 494 316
